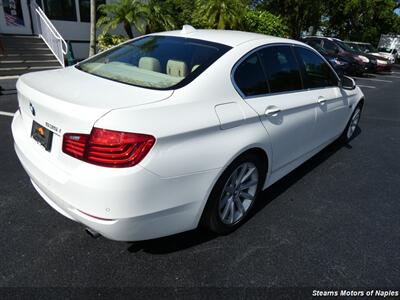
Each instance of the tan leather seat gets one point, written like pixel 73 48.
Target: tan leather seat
pixel 149 63
pixel 177 68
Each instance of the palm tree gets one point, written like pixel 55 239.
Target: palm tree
pixel 92 48
pixel 220 14
pixel 125 12
pixel 158 19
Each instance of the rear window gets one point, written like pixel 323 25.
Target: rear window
pixel 250 77
pixel 157 62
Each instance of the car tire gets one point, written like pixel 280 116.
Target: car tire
pixel 352 125
pixel 232 199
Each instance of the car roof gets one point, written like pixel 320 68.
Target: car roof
pixel 323 38
pixel 360 43
pixel 230 38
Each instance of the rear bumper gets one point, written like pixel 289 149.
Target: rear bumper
pixel 129 204
pixel 384 68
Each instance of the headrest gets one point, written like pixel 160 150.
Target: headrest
pixel 177 68
pixel 149 63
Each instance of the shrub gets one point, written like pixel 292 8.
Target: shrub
pixel 106 41
pixel 264 22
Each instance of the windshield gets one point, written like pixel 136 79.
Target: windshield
pixel 370 48
pixel 387 50
pixel 158 62
pixel 344 46
pixel 354 47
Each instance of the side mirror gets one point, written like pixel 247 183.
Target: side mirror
pixel 347 83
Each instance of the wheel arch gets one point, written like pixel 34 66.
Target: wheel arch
pixel 255 149
pixel 361 102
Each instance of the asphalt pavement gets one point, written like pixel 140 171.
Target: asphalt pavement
pixel 332 223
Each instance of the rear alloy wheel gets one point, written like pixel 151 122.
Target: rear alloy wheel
pixel 238 194
pixel 234 195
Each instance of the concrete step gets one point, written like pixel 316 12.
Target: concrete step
pixel 26 56
pixel 29 63
pixel 11 45
pixel 23 70
pixel 28 50
pixel 20 36
pixel 16 41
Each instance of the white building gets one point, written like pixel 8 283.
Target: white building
pixel 70 17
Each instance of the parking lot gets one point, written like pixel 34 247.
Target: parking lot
pixel 333 222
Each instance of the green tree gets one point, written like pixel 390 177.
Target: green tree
pixel 361 20
pixel 125 12
pixel 219 14
pixel 158 17
pixel 299 15
pixel 264 22
pixel 106 41
pixel 180 10
pixel 92 45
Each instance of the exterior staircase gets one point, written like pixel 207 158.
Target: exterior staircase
pixel 25 54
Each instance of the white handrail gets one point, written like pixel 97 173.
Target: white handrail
pixel 53 39
pixel 54 30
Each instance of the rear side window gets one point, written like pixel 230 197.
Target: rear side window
pixel 282 69
pixel 316 72
pixel 250 78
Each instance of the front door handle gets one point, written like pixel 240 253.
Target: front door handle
pixel 272 111
pixel 321 100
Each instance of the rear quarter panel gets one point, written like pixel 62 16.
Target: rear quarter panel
pixel 189 134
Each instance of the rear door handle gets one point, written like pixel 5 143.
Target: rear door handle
pixel 321 100
pixel 272 111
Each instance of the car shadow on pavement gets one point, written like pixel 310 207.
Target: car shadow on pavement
pixel 185 240
pixel 366 75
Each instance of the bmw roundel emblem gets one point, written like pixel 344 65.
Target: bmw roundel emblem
pixel 32 109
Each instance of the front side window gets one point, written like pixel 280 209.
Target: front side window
pixel 250 78
pixel 157 62
pixel 283 73
pixel 317 73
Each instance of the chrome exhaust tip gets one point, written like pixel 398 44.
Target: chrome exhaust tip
pixel 92 233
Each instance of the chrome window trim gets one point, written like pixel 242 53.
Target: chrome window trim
pixel 233 70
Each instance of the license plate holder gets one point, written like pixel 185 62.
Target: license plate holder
pixel 42 135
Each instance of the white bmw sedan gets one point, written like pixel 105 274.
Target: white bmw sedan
pixel 174 130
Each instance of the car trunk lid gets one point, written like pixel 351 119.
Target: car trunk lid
pixel 69 100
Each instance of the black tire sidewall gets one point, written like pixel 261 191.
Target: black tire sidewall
pixel 210 218
pixel 344 137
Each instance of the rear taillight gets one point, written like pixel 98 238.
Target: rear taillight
pixel 108 148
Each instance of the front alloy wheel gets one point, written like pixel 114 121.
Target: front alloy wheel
pixel 353 123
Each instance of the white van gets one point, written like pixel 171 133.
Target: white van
pixel 390 44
